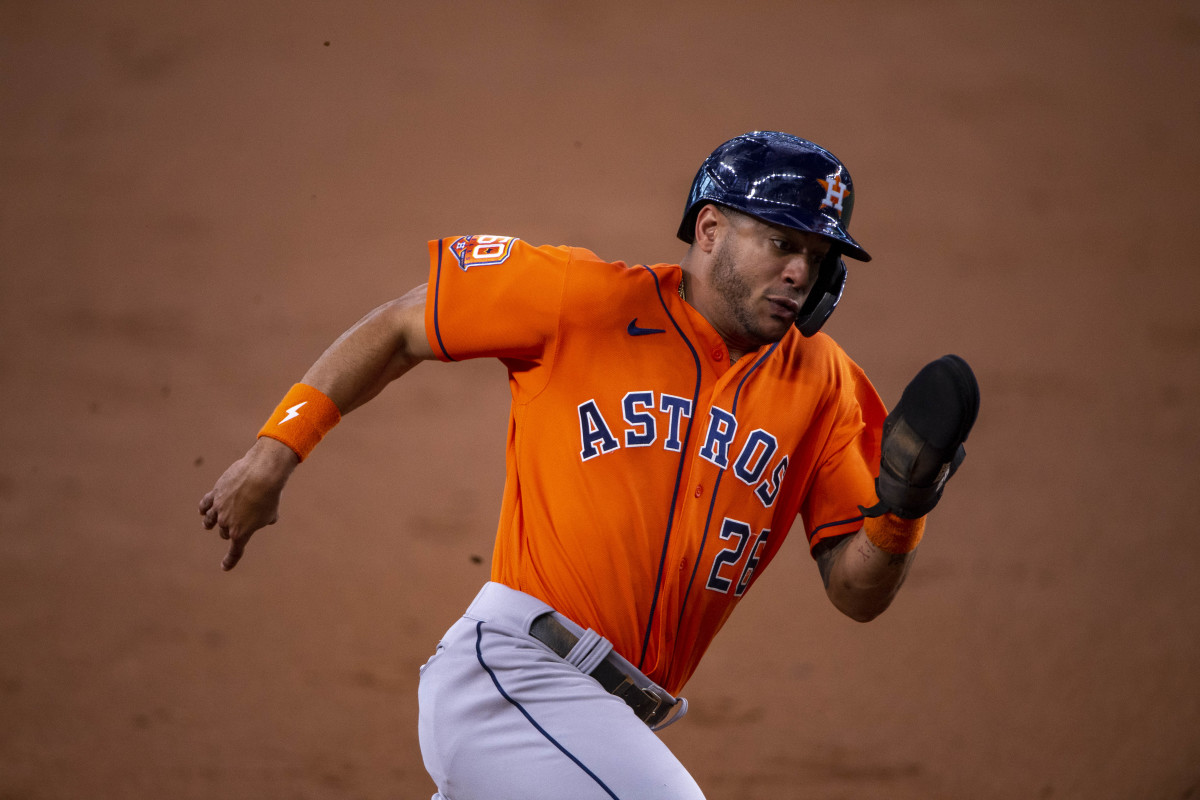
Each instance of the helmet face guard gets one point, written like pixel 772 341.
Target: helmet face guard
pixel 790 182
pixel 823 297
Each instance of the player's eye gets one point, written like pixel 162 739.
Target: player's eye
pixel 783 245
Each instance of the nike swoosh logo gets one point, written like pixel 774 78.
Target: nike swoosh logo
pixel 634 330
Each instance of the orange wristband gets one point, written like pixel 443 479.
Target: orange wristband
pixel 301 419
pixel 894 534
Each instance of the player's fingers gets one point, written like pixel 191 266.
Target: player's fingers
pixel 206 503
pixel 223 532
pixel 210 518
pixel 237 546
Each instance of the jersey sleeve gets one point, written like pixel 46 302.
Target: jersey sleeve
pixel 849 462
pixel 493 296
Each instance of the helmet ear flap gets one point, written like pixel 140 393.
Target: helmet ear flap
pixel 824 296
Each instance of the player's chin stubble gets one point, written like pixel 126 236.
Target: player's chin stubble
pixel 736 293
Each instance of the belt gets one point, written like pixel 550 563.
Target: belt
pixel 649 707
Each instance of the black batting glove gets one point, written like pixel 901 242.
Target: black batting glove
pixel 923 438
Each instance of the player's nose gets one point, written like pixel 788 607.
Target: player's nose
pixel 801 270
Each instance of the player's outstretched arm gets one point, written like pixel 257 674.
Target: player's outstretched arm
pixel 861 578
pixel 922 447
pixel 377 350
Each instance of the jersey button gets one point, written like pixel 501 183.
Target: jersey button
pixel 718 354
pixel 699 491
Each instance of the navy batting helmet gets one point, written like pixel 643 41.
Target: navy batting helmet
pixel 787 181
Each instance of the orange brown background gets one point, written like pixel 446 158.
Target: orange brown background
pixel 196 198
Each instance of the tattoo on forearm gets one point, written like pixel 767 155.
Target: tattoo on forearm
pixel 829 553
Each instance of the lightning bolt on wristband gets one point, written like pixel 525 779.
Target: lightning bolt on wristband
pixel 302 419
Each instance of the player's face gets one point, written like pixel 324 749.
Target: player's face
pixel 762 274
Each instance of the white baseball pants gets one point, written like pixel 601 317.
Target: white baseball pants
pixel 502 717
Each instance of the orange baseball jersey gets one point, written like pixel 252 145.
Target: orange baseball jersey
pixel 649 481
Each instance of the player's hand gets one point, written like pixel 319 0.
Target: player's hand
pixel 923 438
pixel 246 497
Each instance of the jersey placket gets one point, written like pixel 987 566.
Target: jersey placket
pixel 699 516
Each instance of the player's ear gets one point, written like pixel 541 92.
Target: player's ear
pixel 708 224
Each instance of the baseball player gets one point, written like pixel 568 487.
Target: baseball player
pixel 669 423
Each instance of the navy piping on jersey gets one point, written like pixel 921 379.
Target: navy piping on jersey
pixel 436 288
pixel 712 502
pixel 532 721
pixel 683 454
pixel 820 528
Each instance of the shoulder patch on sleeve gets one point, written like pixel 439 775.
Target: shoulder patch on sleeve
pixel 481 251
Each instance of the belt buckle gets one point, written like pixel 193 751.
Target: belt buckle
pixel 666 710
pixel 661 708
pixel 649 706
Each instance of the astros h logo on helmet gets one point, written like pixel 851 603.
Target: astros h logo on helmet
pixel 835 192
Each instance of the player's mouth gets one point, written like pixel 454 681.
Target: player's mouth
pixel 783 307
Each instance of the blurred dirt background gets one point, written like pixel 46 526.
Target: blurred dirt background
pixel 196 198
